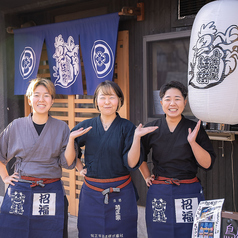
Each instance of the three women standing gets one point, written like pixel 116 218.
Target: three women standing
pixel 34 202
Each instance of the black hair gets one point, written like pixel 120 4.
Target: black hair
pixel 173 84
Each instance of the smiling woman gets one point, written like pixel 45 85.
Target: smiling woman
pixel 41 94
pixel 38 169
pixel 178 147
pixel 41 102
pixel 112 150
pixel 108 101
pixel 173 101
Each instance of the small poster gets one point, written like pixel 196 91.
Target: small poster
pixel 207 222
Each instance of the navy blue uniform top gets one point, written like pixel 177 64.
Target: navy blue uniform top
pixel 106 151
pixel 172 155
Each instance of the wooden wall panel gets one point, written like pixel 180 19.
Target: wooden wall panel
pixel 218 182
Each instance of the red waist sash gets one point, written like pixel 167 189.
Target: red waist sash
pixel 105 192
pixel 165 180
pixel 37 181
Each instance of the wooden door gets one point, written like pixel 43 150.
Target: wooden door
pixel 74 108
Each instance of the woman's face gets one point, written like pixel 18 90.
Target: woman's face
pixel 173 103
pixel 107 103
pixel 41 100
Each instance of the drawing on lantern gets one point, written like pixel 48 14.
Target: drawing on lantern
pixel 214 56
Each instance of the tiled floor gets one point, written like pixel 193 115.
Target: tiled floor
pixel 72 224
pixel 72 227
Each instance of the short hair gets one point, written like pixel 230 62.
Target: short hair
pixel 41 81
pixel 173 84
pixel 106 88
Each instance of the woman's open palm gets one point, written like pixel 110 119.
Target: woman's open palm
pixel 141 131
pixel 80 132
pixel 192 135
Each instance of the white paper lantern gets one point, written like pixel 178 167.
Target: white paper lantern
pixel 213 63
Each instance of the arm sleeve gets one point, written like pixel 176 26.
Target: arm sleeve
pixel 204 141
pixel 128 139
pixel 145 140
pixel 62 159
pixel 5 154
pixel 146 147
pixel 79 141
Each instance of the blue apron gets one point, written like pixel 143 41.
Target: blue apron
pixel 117 218
pixel 170 209
pixel 32 212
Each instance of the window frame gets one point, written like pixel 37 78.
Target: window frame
pixel 146 41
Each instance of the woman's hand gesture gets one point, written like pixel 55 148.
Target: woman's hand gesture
pixel 10 179
pixel 141 131
pixel 80 132
pixel 134 152
pixel 192 135
pixel 83 172
pixel 149 180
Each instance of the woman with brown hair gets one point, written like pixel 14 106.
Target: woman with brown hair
pixel 107 204
pixel 33 205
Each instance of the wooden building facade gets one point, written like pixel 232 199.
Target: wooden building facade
pixel 157 51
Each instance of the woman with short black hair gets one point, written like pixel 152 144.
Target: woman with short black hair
pixel 179 146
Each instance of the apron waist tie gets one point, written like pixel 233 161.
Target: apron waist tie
pixel 164 180
pixel 37 181
pixel 106 191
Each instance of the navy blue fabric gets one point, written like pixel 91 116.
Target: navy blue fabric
pixel 106 151
pixel 66 217
pixel 27 50
pixel 172 155
pixel 169 227
pixel 118 217
pixel 26 225
pixel 62 44
pixel 98 44
pixel 98 39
